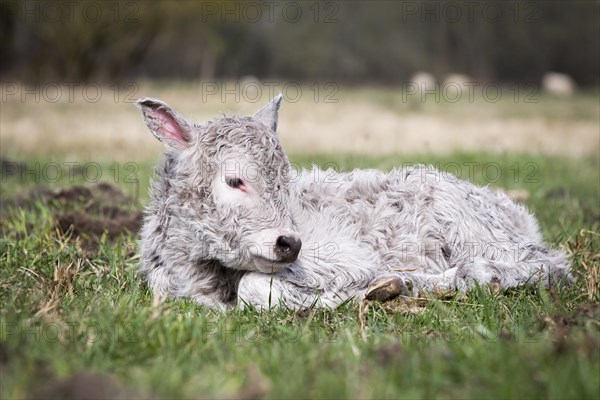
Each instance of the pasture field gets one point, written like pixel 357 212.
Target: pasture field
pixel 76 316
pixel 77 319
pixel 69 125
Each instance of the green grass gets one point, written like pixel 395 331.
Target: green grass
pixel 67 309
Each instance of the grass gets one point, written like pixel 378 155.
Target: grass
pixel 67 308
pixel 365 119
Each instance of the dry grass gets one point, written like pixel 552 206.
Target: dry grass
pixel 583 250
pixel 364 120
pixel 61 285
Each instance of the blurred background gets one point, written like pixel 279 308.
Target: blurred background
pixel 358 76
pixel 357 42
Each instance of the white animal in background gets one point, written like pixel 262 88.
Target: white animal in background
pixel 558 84
pixel 424 81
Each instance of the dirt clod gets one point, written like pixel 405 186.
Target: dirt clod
pixel 81 386
pixel 87 212
pixel 389 353
pixel 83 225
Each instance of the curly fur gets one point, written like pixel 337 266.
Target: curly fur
pixel 204 240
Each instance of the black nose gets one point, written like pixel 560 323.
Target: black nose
pixel 287 248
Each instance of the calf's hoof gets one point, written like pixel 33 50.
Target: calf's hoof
pixel 387 289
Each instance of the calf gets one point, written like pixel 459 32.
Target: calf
pixel 231 223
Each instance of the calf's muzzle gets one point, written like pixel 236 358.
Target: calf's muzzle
pixel 287 248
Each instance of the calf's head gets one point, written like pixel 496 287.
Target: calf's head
pixel 228 185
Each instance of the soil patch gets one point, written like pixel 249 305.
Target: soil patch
pixel 87 212
pixel 561 327
pixel 80 386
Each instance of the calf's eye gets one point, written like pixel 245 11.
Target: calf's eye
pixel 234 182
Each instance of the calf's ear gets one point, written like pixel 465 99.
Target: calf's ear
pixel 268 115
pixel 165 124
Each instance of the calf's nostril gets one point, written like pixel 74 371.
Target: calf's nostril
pixel 283 243
pixel 288 247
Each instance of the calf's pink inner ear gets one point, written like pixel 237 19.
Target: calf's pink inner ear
pixel 167 126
